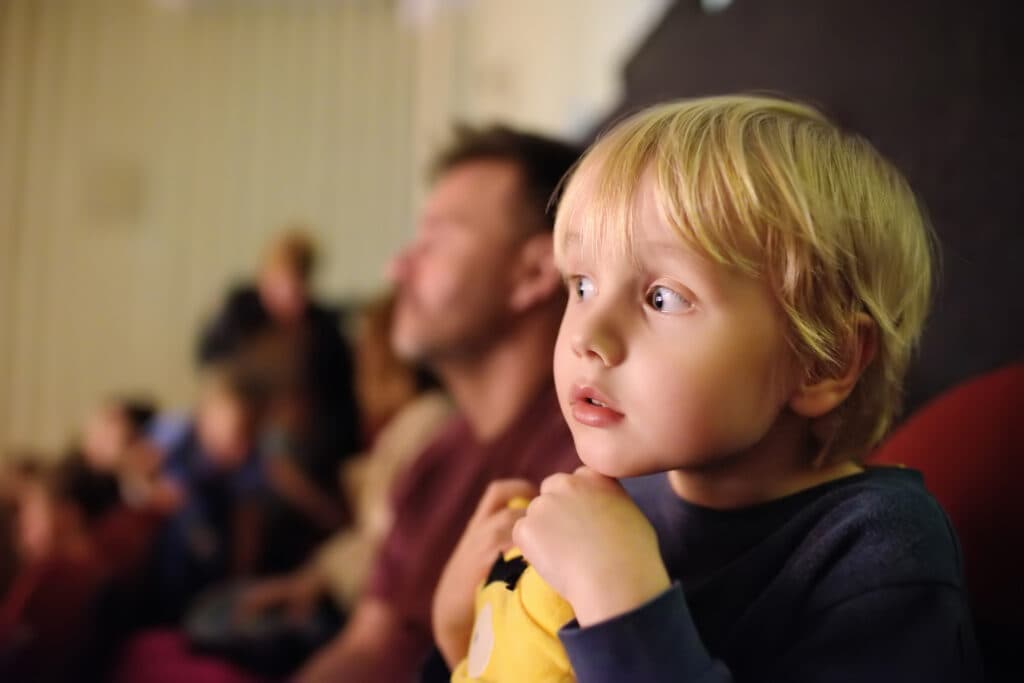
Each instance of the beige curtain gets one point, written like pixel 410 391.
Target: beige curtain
pixel 147 151
pixel 148 148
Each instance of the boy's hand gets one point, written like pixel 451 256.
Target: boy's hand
pixel 488 534
pixel 590 542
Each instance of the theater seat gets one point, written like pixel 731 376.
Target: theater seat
pixel 969 445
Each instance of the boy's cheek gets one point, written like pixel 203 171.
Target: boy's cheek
pixel 562 367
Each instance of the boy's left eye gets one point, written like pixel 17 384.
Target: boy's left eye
pixel 581 286
pixel 665 300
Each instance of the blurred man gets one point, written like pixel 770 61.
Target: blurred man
pixel 479 302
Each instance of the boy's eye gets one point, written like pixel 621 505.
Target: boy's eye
pixel 664 300
pixel 581 287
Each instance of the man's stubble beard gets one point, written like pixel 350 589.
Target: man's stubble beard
pixel 465 346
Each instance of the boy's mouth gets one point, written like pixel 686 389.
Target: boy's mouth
pixel 585 393
pixel 592 408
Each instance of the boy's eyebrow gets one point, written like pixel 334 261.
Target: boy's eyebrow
pixel 714 277
pixel 571 237
pixel 707 271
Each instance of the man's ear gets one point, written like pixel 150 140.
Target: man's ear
pixel 817 394
pixel 536 277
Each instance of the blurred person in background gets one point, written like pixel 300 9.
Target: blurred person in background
pixel 402 409
pixel 113 463
pixel 271 625
pixel 23 488
pixel 81 546
pixel 211 460
pixel 55 579
pixel 113 428
pixel 275 333
pixel 8 546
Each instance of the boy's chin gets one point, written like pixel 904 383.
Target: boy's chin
pixel 610 463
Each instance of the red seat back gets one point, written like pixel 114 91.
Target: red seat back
pixel 969 444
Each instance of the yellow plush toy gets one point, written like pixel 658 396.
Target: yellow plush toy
pixel 515 635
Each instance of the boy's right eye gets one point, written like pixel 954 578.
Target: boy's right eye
pixel 581 287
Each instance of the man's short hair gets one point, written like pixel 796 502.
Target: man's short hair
pixel 542 163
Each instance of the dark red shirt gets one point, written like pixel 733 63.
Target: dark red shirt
pixel 435 498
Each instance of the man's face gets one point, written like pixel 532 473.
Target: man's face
pixel 453 280
pixel 666 360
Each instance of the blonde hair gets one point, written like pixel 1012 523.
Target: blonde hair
pixel 294 248
pixel 772 188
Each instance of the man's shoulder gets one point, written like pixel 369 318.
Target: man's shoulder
pixel 451 440
pixel 535 445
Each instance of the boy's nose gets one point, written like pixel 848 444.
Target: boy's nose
pixel 599 342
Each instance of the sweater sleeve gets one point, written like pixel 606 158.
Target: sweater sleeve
pixel 655 642
pixel 907 632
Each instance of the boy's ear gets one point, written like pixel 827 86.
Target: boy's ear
pixel 536 277
pixel 818 395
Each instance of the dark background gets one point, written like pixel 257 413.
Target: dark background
pixel 934 84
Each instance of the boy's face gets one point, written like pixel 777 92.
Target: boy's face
pixel 665 360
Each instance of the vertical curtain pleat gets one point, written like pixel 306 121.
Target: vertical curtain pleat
pixel 148 149
pixel 148 152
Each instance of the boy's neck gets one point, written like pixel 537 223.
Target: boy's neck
pixel 730 493
pixel 780 465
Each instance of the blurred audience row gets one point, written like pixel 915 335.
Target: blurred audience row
pixel 281 470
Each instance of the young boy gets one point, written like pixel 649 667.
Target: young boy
pixel 746 284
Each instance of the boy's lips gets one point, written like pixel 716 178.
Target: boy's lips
pixel 592 408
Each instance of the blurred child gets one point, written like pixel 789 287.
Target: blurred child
pixel 273 624
pixel 402 409
pixel 276 331
pixel 113 428
pixel 53 580
pixel 211 461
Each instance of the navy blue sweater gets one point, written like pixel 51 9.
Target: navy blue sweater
pixel 859 579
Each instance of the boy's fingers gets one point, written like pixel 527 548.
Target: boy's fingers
pixel 588 474
pixel 555 482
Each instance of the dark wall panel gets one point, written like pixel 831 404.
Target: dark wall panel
pixel 935 84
